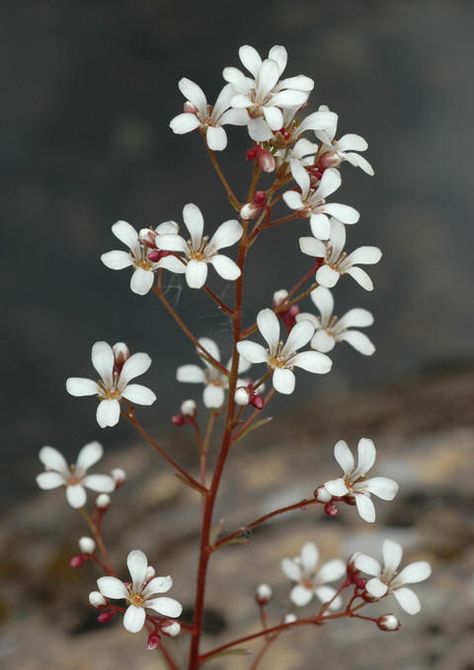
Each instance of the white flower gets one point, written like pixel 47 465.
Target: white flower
pixel 199 250
pixel 140 256
pixel 87 545
pixel 330 329
pixel 96 599
pixel 115 374
pixel 297 147
pixel 215 380
pixel 335 151
pixel 387 581
pixel 302 569
pixel 73 477
pixel 171 629
pixel 140 594
pixel 263 95
pixel 354 483
pixel 198 114
pixel 313 202
pixel 282 358
pixel 336 261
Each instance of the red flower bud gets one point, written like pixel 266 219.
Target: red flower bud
pixel 330 509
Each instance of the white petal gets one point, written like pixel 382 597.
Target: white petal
pixel 89 455
pixel 365 507
pixel 138 394
pixel 376 587
pixel 338 236
pixel 184 123
pixel 172 264
pixel 191 374
pixel 352 142
pixel 116 260
pixel 368 565
pixel 103 360
pixel 279 54
pixel 408 600
pixel 167 228
pixel 366 455
pixel 318 121
pixel 52 459
pixel 76 496
pixel 50 480
pixel 225 267
pixel 223 102
pixel 336 487
pixel 133 367
pixel 210 346
pixel 99 483
pixel 320 226
pixel 193 93
pixel 303 316
pixel 235 117
pixel 355 318
pixel 283 381
pixel 126 234
pixel 289 98
pixel 365 256
pixel 273 117
pixel 137 564
pixel 327 276
pixel 250 59
pixel 343 456
pixel 237 79
pixel 134 619
pixel 269 327
pixel 324 301
pixel 216 138
pixel 196 273
pixel 361 277
pixel 299 336
pixel 327 593
pixel 383 487
pixel 322 341
pixel 141 281
pixel 213 396
pixel 291 569
pixel 111 587
pixel 259 130
pixel 414 573
pixel 300 83
pixel 331 571
pixel 293 200
pixel 359 161
pixel 267 77
pixel 300 595
pixel 171 242
pixel 312 361
pixel 194 222
pixel 309 557
pixel 108 413
pixel 330 182
pixel 344 213
pixel 301 176
pixel 157 585
pixel 252 352
pixel 312 247
pixel 165 606
pixel 79 386
pixel 227 234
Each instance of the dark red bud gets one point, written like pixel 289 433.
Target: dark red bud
pixel 178 420
pixel 260 198
pixel 78 561
pixel 330 509
pixel 257 401
pixel 153 641
pixel 105 617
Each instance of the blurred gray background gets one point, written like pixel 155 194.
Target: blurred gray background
pixel 88 90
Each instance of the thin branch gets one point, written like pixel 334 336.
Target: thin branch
pixel 234 201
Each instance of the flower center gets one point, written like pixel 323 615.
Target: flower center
pixel 136 599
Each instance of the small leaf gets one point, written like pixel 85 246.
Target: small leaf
pixel 252 427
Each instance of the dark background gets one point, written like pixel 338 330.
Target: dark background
pixel 88 89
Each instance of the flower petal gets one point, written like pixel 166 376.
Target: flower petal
pixel 301 176
pixel 116 260
pixel 157 585
pixel 103 360
pixel 320 226
pixel 52 459
pixel 376 587
pixel 327 276
pixel 283 381
pixel 184 123
pixel 343 456
pixel 79 386
pixel 330 182
pixel 138 394
pixel 291 569
pixel 89 455
pixel 273 117
pixel 344 213
pixel 414 573
pixel 365 507
pixel 322 341
pixel 126 234
pixel 336 487
pixel 359 341
pixel 196 273
pixel 168 607
pixel 133 367
pixel 331 571
pixel 356 318
pixel 49 480
pixel 134 619
pixel 299 336
pixel 99 483
pixel 300 595
pixel 211 347
pixel 250 59
pixel 194 222
pixel 191 374
pixel 227 234
pixel 193 93
pixel 365 256
pixel 225 267
pixel 76 496
pixel 368 565
pixel 259 130
pixel 361 277
pixel 312 247
pixel 267 77
pixel 141 281
pixel 137 564
pixel 366 455
pixel 111 587
pixel 108 413
pixel 312 361
pixel 326 594
pixel 309 557
pixel 269 327
pixel 216 138
pixel 171 242
pixel 382 487
pixel 213 396
pixel 252 352
pixel 408 600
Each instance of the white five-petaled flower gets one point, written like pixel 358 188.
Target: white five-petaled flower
pixel 215 380
pixel 199 250
pixel 116 368
pixel 198 114
pixel 140 256
pixel 282 358
pixel 74 477
pixel 330 329
pixel 337 262
pixel 264 95
pixel 334 152
pixel 313 202
pixel 387 581
pixel 297 147
pixel 141 593
pixel 302 569
pixel 354 482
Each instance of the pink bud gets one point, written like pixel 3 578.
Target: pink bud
pixel 153 641
pixel 360 582
pixel 178 420
pixel 105 617
pixel 249 211
pixel 77 561
pixel 154 256
pixel 330 509
pixel 260 198
pixel 257 400
pixel 266 161
pixel 147 237
pixel 252 153
pixel 329 160
pixel 388 622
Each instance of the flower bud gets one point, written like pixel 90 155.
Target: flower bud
pixel 119 476
pixel 177 420
pixel 87 545
pixel 266 161
pixel 257 400
pixel 171 628
pixel 242 396
pixel 147 237
pixel 121 353
pixel 77 561
pixel 260 198
pixel 96 599
pixel 263 594
pixel 188 408
pixel 280 297
pixel 388 622
pixel 289 618
pixel 102 501
pixel 249 211
pixel 328 160
pixel 105 617
pixel 153 641
pixel 330 509
pixel 322 494
pixel 155 255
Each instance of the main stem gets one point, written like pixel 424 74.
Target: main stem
pixel 211 495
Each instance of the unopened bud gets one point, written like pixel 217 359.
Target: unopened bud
pixel 280 297
pixel 102 501
pixel 153 642
pixel 119 476
pixel 289 618
pixel 263 594
pixel 177 420
pixel 330 509
pixel 96 599
pixel 266 161
pixel 171 628
pixel 77 561
pixel 257 400
pixel 388 622
pixel 260 198
pixel 242 396
pixel 322 494
pixel 87 545
pixel 328 160
pixel 249 211
pixel 155 255
pixel 105 617
pixel 188 408
pixel 147 237
pixel 121 353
